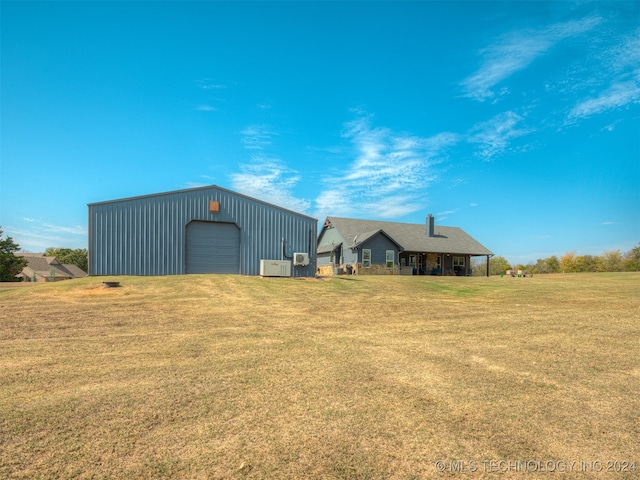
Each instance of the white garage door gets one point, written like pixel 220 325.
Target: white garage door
pixel 213 247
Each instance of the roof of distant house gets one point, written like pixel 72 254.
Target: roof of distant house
pixel 45 266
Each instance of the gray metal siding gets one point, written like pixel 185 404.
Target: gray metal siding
pixel 147 235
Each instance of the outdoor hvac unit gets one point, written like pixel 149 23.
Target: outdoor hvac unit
pixel 300 259
pixel 275 268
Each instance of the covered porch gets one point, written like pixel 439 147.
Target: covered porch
pixel 442 264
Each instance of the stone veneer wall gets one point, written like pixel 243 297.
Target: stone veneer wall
pixel 375 269
pixel 324 270
pixel 432 260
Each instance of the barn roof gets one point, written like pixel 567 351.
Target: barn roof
pixel 204 188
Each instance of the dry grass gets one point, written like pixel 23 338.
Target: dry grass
pixel 367 377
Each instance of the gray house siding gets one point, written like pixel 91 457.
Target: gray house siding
pixel 350 255
pixel 148 235
pixel 379 244
pixel 324 259
pixel 333 243
pixel 342 256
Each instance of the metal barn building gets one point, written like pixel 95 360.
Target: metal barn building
pixel 200 230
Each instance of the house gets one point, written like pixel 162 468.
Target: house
pixel 199 230
pixel 47 269
pixel 347 245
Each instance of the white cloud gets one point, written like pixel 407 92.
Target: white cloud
pixel 208 84
pixel 268 179
pixel 193 185
pixel 606 76
pixel 206 108
pixel 257 137
pixel 615 77
pixel 515 52
pixel 625 54
pixel 611 127
pixel 617 95
pixel 32 240
pixel 443 215
pixel 38 235
pixel 388 175
pixel 494 135
pixel 334 201
pixel 75 230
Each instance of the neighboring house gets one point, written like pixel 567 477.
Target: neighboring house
pixel 47 269
pixel 347 245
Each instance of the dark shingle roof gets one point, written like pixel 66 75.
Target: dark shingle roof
pixel 412 237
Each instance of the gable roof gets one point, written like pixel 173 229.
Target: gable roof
pixel 195 189
pixel 411 236
pixel 42 266
pixel 74 270
pixel 364 236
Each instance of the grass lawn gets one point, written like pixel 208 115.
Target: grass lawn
pixel 207 377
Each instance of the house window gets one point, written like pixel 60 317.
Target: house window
pixel 439 262
pixel 391 257
pixel 458 265
pixel 412 260
pixel 366 257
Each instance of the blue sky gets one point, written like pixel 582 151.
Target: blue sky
pixel 516 121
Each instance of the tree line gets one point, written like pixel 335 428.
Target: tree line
pixel 609 261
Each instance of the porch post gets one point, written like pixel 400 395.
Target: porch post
pixel 488 256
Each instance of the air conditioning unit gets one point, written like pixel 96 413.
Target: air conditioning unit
pixel 275 268
pixel 300 259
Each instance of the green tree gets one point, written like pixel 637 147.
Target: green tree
pixel 568 262
pixel 589 263
pixel 631 261
pixel 552 264
pixel 10 265
pixel 498 265
pixel 612 261
pixel 78 257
